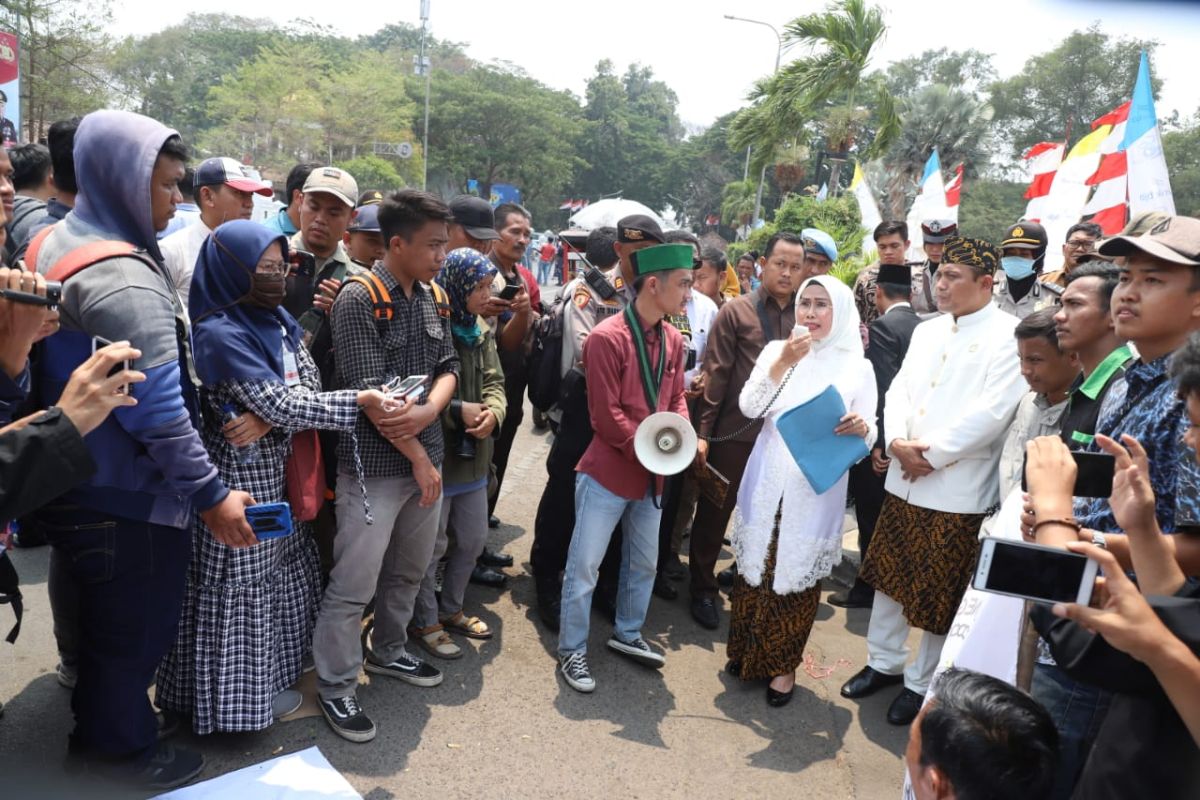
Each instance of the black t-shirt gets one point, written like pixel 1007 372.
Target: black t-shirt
pixel 1085 397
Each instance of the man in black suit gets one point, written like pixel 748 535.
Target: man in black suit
pixel 887 339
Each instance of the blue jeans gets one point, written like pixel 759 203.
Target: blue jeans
pixel 129 576
pixel 597 512
pixel 544 271
pixel 1078 709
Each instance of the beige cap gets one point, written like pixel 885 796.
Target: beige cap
pixel 1175 239
pixel 334 181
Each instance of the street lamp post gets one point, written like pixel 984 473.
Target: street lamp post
pixel 762 176
pixel 426 70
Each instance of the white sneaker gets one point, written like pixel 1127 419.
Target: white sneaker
pixel 574 668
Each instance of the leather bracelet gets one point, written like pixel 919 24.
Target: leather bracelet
pixel 1070 522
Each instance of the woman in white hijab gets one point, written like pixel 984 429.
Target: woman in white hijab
pixel 785 535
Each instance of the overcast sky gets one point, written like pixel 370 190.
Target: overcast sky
pixel 711 62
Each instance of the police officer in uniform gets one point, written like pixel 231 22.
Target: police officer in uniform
pixel 593 297
pixel 1018 289
pixel 934 233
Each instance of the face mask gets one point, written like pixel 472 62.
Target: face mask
pixel 266 291
pixel 1016 267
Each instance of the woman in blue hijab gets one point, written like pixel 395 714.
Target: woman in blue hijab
pixel 469 424
pixel 249 612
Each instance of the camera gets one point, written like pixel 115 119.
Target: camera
pixel 466 447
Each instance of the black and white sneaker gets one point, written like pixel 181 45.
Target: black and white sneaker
pixel 347 718
pixel 638 651
pixel 407 668
pixel 574 668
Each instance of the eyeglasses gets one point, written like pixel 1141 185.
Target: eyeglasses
pixel 272 268
pixel 1086 245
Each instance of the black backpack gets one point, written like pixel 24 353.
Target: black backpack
pixel 545 359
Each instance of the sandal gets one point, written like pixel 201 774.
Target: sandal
pixel 471 627
pixel 436 641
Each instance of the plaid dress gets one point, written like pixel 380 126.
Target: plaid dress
pixel 248 613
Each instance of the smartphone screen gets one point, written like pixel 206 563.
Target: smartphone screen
pixel 1039 573
pixel 99 343
pixel 510 291
pixel 1093 474
pixel 402 388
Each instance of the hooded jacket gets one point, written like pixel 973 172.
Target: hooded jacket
pixel 151 463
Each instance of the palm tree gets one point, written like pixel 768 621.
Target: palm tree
pixel 939 116
pixel 737 202
pixel 830 86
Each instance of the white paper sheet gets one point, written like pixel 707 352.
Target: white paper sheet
pixel 305 775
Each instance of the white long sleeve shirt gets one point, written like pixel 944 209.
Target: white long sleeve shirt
pixel 956 391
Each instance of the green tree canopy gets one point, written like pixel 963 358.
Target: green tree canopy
pixel 1060 92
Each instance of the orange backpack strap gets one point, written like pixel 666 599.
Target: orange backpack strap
pixel 381 298
pixel 441 300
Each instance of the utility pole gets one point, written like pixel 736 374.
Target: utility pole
pixel 425 68
pixel 762 176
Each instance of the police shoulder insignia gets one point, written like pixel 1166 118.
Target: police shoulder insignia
pixel 582 298
pixel 619 282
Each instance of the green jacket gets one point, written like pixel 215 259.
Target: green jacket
pixel 481 380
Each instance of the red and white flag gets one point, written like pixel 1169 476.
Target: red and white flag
pixel 1109 205
pixel 1043 158
pixel 954 191
pixel 567 205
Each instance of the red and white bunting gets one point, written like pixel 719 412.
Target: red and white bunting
pixel 1043 158
pixel 1109 206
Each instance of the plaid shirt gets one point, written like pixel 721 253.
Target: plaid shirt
pixel 370 352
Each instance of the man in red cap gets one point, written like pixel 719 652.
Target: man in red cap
pixel 224 191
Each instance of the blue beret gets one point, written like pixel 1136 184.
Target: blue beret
pixel 820 242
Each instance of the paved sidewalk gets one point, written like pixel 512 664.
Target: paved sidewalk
pixel 503 724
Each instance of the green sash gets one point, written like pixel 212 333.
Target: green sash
pixel 651 382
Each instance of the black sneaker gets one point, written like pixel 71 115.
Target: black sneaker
pixel 407 668
pixel 574 668
pixel 169 768
pixel 347 718
pixel 638 651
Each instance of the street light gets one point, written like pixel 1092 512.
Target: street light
pixel 425 68
pixel 778 53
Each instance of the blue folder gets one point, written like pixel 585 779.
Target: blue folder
pixel 822 455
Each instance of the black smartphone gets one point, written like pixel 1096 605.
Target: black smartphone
pixel 510 291
pixel 270 520
pixel 99 342
pixel 303 263
pixel 1094 474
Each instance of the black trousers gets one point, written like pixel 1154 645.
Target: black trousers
pixel 555 521
pixel 867 489
pixel 514 390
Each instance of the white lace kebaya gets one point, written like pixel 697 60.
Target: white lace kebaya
pixel 810 529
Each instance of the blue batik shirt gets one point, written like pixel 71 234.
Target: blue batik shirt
pixel 1146 405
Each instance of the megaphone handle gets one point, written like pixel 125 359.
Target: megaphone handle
pixel 750 423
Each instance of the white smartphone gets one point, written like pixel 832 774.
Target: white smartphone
pixel 99 343
pixel 411 388
pixel 800 331
pixel 1034 572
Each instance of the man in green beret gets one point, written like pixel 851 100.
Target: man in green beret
pixel 634 363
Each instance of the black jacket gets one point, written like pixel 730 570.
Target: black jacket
pixel 888 341
pixel 40 461
pixel 1142 749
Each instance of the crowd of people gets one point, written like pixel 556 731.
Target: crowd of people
pixel 359 364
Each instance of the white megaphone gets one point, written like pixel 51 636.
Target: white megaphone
pixel 665 443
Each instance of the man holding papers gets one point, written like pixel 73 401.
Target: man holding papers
pixel 787 527
pixel 944 422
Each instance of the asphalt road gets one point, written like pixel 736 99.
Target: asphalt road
pixel 503 724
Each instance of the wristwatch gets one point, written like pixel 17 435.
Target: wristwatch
pixel 1098 540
